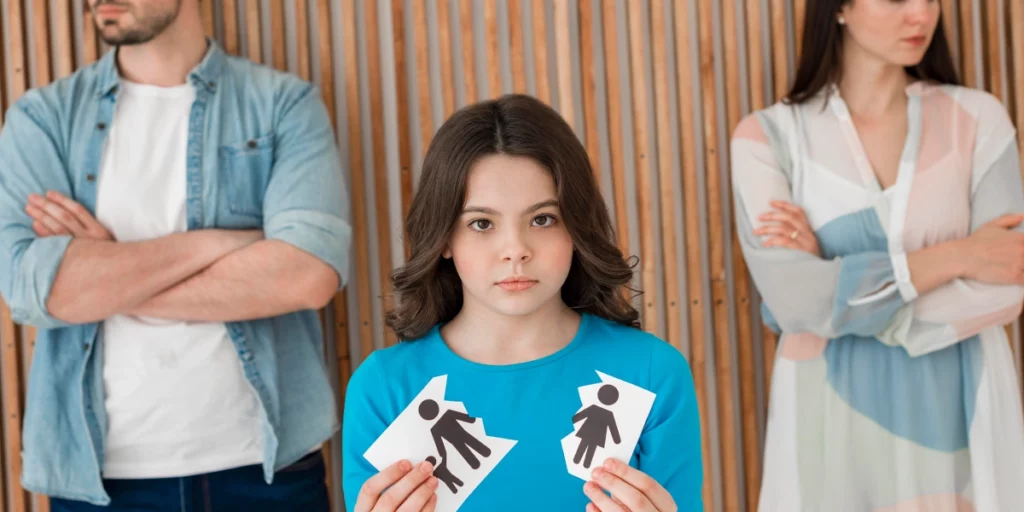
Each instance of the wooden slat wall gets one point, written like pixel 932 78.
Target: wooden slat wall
pixel 658 86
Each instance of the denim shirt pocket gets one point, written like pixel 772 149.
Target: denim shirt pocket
pixel 245 168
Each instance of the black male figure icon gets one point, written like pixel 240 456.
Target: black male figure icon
pixel 598 422
pixel 449 428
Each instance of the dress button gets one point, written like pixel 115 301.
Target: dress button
pixel 101 126
pixel 90 177
pixel 252 144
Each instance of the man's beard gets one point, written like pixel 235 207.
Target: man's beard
pixel 144 30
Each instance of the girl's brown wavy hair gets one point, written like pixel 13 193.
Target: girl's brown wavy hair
pixel 428 290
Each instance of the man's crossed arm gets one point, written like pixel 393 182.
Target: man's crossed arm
pixel 205 275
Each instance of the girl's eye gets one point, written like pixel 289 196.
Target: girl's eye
pixel 543 221
pixel 480 225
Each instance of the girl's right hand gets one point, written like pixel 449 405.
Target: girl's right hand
pixel 409 489
pixel 994 253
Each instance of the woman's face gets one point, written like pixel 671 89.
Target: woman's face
pixel 897 32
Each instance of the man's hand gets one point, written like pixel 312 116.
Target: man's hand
pixel 55 214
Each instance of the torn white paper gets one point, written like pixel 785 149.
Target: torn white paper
pixel 462 452
pixel 607 425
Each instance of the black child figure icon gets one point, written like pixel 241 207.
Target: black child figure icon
pixel 445 475
pixel 597 422
pixel 449 428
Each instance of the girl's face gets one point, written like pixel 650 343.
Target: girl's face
pixel 510 247
pixel 897 32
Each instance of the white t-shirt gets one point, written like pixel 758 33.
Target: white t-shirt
pixel 177 400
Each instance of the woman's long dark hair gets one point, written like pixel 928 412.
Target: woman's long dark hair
pixel 428 290
pixel 822 45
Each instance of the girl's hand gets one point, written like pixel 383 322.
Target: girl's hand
pixel 408 489
pixel 788 227
pixel 631 490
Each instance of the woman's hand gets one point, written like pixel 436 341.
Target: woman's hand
pixel 994 253
pixel 788 227
pixel 631 490
pixel 408 489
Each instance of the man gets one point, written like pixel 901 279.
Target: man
pixel 170 220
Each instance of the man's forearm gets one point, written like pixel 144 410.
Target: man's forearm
pixel 97 279
pixel 266 279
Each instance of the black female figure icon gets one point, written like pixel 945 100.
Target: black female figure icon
pixel 597 423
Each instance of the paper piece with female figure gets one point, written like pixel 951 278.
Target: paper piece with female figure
pixel 607 425
pixel 456 443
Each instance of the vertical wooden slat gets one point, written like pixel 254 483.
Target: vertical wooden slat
pixel 90 50
pixel 468 50
pixel 444 35
pixel 592 138
pixel 380 177
pixel 666 174
pixel 277 35
pixel 253 32
pixel 799 9
pixel 648 260
pixel 16 56
pixel 361 242
pixel 515 28
pixel 302 31
pixel 748 390
pixel 719 292
pixel 741 280
pixel 41 40
pixel 399 31
pixel 206 12
pixel 614 91
pixel 491 38
pixel 563 56
pixel 994 50
pixel 340 303
pixel 1015 14
pixel 230 10
pixel 64 33
pixel 968 65
pixel 540 51
pixel 780 57
pixel 691 201
pixel 419 23
pixel 9 361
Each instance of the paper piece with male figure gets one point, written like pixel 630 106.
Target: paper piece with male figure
pixel 607 425
pixel 443 432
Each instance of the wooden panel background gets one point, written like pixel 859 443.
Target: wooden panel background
pixel 652 87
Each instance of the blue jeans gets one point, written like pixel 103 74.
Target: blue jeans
pixel 299 487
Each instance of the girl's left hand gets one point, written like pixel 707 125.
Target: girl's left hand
pixel 631 490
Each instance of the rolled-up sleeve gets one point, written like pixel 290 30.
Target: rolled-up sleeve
pixel 305 203
pixel 30 163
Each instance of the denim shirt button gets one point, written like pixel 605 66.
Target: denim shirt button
pixel 90 177
pixel 101 126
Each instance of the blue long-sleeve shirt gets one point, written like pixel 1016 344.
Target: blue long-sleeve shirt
pixel 533 403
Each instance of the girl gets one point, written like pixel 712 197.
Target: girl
pixel 514 292
pixel 886 196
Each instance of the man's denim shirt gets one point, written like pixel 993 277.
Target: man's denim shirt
pixel 261 154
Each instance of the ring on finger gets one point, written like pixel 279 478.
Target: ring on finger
pixel 794 234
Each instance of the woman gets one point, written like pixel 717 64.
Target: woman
pixel 877 208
